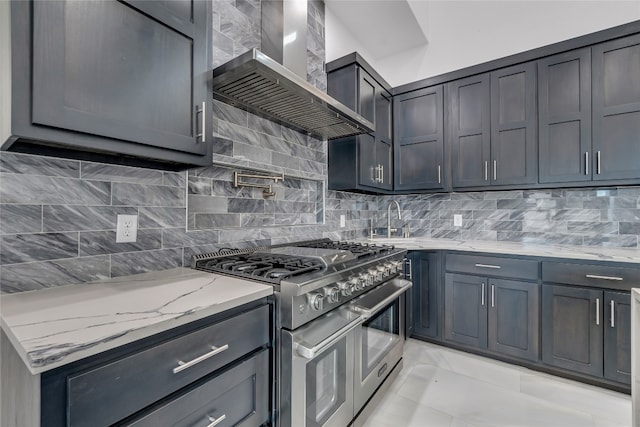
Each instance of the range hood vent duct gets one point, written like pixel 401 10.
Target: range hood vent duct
pixel 259 84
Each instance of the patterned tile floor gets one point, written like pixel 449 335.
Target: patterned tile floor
pixel 441 387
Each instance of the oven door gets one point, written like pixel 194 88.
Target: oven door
pixel 380 338
pixel 317 372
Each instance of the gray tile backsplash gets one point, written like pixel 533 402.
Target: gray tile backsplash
pixel 58 216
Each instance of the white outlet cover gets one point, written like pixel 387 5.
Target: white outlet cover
pixel 343 221
pixel 127 228
pixel 457 220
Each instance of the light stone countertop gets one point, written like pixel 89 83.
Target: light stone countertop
pixel 56 326
pixel 590 253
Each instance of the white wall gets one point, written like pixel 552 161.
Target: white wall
pixel 339 41
pixel 465 33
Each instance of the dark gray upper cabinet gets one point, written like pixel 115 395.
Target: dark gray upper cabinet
pixel 119 78
pixel 564 117
pixel 514 148
pixel 419 140
pixel 469 130
pixel 361 163
pixel 617 336
pixel 616 109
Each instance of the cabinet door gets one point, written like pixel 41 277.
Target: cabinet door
pixel 425 274
pixel 465 313
pixel 419 140
pixel 513 318
pixel 469 124
pixel 367 167
pixel 514 155
pixel 564 110
pixel 384 145
pixel 127 71
pixel 572 335
pixel 617 337
pixel 616 109
pixel 367 90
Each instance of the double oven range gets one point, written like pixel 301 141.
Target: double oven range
pixel 340 312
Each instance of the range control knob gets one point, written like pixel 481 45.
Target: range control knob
pixel 316 301
pixel 375 274
pixel 391 267
pixel 366 279
pixel 332 294
pixel 382 271
pixel 345 288
pixel 355 283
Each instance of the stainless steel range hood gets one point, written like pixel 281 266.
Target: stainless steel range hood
pixel 259 84
pixel 271 82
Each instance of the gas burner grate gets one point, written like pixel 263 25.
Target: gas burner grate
pixel 360 250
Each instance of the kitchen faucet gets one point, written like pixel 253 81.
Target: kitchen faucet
pixel 389 216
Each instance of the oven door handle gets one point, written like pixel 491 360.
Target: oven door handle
pixel 367 313
pixel 312 352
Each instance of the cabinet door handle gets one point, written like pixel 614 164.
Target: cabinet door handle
pixel 482 295
pixel 185 365
pixel 486 170
pixel 488 266
pixel 203 130
pixel 215 421
pixel 439 174
pixel 612 320
pixel 586 163
pixel 598 162
pixel 595 276
pixel 409 275
pixel 597 311
pixel 493 296
pixel 495 170
pixel 382 174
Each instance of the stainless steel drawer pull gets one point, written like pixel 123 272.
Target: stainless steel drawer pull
pixel 613 314
pixel 598 162
pixel 439 174
pixel 482 294
pixel 495 170
pixel 595 276
pixel 586 163
pixel 488 266
pixel 486 170
pixel 597 311
pixel 185 365
pixel 409 274
pixel 216 421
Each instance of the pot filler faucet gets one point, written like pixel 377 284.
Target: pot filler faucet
pixel 389 217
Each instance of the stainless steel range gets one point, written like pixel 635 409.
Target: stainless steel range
pixel 340 322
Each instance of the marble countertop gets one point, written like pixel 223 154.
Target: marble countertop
pixel 591 253
pixel 53 327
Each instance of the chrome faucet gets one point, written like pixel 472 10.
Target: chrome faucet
pixel 389 216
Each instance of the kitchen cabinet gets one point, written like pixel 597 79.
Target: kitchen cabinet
pixel 122 80
pixel 361 163
pixel 586 314
pixel 419 140
pixel 425 273
pixel 215 368
pixel 492 128
pixel 489 312
pixel 616 109
pixel 564 117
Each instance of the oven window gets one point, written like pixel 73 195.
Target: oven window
pixel 379 334
pixel 326 383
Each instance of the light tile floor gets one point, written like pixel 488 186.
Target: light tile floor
pixel 441 387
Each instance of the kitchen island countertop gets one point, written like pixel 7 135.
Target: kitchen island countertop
pixel 55 326
pixel 589 253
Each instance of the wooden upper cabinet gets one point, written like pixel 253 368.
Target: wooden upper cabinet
pixel 564 117
pixel 469 130
pixel 616 109
pixel 129 77
pixel 419 140
pixel 514 154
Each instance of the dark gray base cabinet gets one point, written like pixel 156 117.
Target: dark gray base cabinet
pixel 498 314
pixel 587 330
pixel 124 81
pixel 425 294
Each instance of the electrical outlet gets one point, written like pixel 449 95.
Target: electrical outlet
pixel 127 228
pixel 457 220
pixel 343 221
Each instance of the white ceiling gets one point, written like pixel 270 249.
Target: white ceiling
pixel 383 27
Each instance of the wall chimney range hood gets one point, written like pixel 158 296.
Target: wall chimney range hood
pixel 257 83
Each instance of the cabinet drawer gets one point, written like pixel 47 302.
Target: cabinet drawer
pixel 237 397
pixel 600 276
pixel 111 392
pixel 493 266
